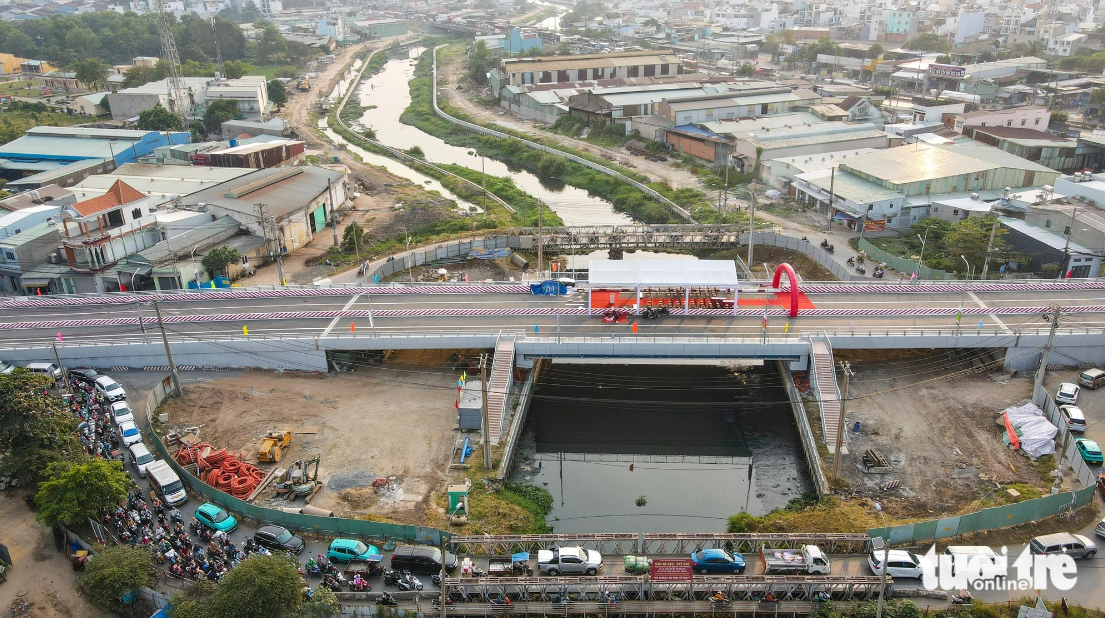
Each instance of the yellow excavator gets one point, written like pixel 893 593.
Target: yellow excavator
pixel 272 445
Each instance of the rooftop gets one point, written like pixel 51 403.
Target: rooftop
pixel 120 193
pixel 589 61
pixel 907 164
pixel 161 180
pixel 667 273
pixel 282 190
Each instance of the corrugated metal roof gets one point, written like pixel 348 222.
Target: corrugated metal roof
pixel 591 61
pixel 280 197
pixel 918 162
pixel 849 186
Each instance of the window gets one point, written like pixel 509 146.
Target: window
pixel 114 218
pixel 136 213
pixel 984 124
pixel 955 212
pixel 1023 122
pixel 1008 123
pixel 1047 223
pixel 870 207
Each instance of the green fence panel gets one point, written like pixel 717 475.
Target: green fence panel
pixel 970 523
pixel 924 531
pixel 1084 496
pixel 901 264
pixel 946 527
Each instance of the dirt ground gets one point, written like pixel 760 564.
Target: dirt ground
pixel 500 269
pixel 806 267
pixel 42 576
pixel 393 421
pixel 940 435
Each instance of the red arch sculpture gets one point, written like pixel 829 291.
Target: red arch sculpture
pixel 779 270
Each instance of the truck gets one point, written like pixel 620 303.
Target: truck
pixel 569 561
pixel 515 565
pixel 808 559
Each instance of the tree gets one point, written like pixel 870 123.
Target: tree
pixel 233 69
pixel 270 43
pixel 1059 116
pixel 480 62
pixel 219 258
pixel 250 13
pixel 157 118
pixel 35 428
pixel 259 587
pixel 352 239
pixel 323 604
pixel 564 49
pixel 987 56
pixel 75 492
pixel 116 571
pixel 930 42
pixel 325 49
pixel 278 94
pixel 91 72
pixel 298 53
pixel 746 70
pixel 219 112
pixel 970 238
pixel 875 51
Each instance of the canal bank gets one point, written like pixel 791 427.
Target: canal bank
pixel 648 447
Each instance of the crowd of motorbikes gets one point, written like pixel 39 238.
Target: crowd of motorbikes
pixel 334 578
pixel 857 262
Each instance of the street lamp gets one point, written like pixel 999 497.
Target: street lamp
pixel 195 271
pixel 410 259
pixel 917 274
pixel 139 305
pixel 885 559
pixel 483 180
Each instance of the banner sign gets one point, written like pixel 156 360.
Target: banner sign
pixel 947 70
pixel 671 570
pixel 876 225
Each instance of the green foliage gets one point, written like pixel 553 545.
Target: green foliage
pixel 584 11
pixel 250 13
pixel 352 239
pixel 259 587
pixel 35 429
pixel 92 72
pixel 416 152
pixel 219 112
pixel 323 604
pixel 278 94
pixel 116 571
pixel 930 42
pixel 746 70
pixel 824 45
pixel 480 61
pixel 233 69
pixel 742 523
pixel 219 258
pixel 75 492
pixel 536 500
pixel 157 118
pixel 874 51
pixel 551 166
pixel 1059 116
pixel 269 43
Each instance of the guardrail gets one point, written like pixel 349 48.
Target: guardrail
pixel 809 444
pixel 656 543
pixel 395 151
pixel 677 209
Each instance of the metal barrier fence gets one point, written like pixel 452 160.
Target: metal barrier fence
pixel 902 264
pixel 677 209
pixel 311 524
pixel 622 543
pixel 823 257
pixel 1010 514
pixel 809 444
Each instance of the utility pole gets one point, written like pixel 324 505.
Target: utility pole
pixel 1066 247
pixel 1052 315
pixel 989 249
pixel 333 211
pixel 846 368
pixel 168 352
pixel 540 241
pixel 64 373
pixel 752 226
pixel 486 418
pixel 832 196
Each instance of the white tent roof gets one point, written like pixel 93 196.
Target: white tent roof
pixel 674 273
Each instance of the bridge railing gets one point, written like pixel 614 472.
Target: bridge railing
pixel 657 543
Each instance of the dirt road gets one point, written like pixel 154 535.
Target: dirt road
pixel 391 421
pixel 42 576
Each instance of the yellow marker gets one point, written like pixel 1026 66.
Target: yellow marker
pixel 245 330
pixel 786 329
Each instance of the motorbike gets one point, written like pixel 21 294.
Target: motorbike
pixel 437 602
pixel 387 600
pixel 502 601
pixel 332 584
pixel 402 580
pixel 718 598
pixel 878 273
pixel 312 569
pixel 436 579
pixel 830 249
pixel 963 598
pixel 851 261
pixel 861 270
pixel 359 585
pixel 613 317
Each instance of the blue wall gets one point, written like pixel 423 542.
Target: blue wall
pixel 150 141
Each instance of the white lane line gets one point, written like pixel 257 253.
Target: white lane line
pixel 993 317
pixel 334 322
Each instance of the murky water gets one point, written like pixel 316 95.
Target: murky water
pixel 699 443
pixel 389 92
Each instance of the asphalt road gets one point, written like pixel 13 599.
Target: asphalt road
pixel 874 310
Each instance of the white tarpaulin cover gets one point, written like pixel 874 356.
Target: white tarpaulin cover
pixel 660 273
pixel 1036 433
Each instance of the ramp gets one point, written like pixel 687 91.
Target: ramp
pixel 828 394
pixel 498 386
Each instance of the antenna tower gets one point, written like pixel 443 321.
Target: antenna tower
pixel 218 52
pixel 179 102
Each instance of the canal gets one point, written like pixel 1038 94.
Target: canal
pixel 388 91
pixel 660 448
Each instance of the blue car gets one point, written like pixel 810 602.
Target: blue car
pixel 717 561
pixel 215 518
pixel 344 550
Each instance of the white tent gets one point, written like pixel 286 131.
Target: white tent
pixel 1028 425
pixel 638 274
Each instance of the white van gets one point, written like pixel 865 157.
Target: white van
pixel 49 369
pixel 1073 417
pixel 6 368
pixel 166 482
pixel 981 561
pixel 1092 378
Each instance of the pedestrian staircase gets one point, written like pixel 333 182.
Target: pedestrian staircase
pixel 828 395
pixel 502 369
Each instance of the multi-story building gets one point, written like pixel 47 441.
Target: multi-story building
pixel 559 69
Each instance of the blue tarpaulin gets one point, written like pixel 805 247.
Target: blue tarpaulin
pixel 549 288
pixel 489 254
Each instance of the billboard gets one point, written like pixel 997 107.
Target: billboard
pixel 671 570
pixel 874 225
pixel 947 70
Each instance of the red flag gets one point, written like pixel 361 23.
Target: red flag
pixel 38 291
pixel 456 404
pixel 122 287
pixel 1069 273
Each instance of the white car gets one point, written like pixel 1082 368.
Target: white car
pixel 899 563
pixel 129 434
pixel 6 368
pixel 110 389
pixel 140 457
pixel 1073 417
pixel 1067 393
pixel 122 412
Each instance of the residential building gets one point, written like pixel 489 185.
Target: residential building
pixel 27 199
pixel 90 104
pixel 1045 246
pixel 26 251
pixel 250 92
pixel 176 262
pixel 1064 45
pixel 559 69
pixel 1035 118
pixel 165 181
pixel 48 148
pixel 332 26
pixel 1064 154
pixel 380 28
pixel 25 218
pixel 860 109
pixel 274 153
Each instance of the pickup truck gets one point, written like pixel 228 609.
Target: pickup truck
pixel 809 559
pixel 569 561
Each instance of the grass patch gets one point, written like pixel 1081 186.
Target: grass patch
pixel 272 71
pixel 1045 467
pixel 509 508
pixel 900 247
pixel 14 123
pixel 806 514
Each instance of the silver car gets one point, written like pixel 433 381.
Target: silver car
pixel 1063 543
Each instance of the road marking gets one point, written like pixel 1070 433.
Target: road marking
pixel 992 316
pixel 334 322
